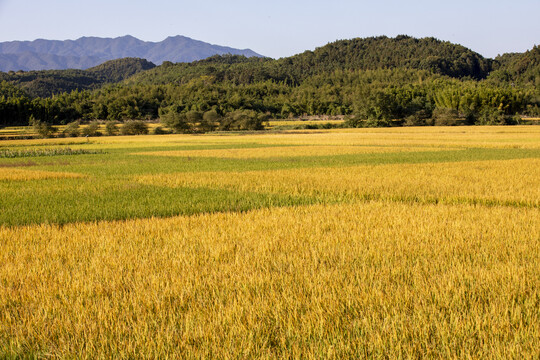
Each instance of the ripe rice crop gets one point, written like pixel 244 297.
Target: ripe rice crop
pixel 509 182
pixel 362 280
pixel 350 243
pixel 11 174
pixel 289 151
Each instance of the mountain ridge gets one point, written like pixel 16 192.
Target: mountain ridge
pixel 90 51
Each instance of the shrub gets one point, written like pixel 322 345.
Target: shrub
pixel 134 127
pixel 243 120
pixel 73 129
pixel 175 121
pixel 446 117
pixel 43 129
pixel 111 128
pixel 160 131
pixel 91 129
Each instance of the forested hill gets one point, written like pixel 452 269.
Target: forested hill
pixel 377 81
pixel 87 52
pixel 373 53
pixel 48 82
pixel 523 69
pixel 441 57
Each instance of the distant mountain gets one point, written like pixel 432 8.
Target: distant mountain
pixel 87 52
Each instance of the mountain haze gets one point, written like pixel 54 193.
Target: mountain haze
pixel 88 52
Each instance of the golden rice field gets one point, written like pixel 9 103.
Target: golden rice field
pixel 286 151
pixel 15 174
pixel 364 243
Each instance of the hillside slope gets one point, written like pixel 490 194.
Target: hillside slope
pixel 373 53
pixel 519 68
pixel 48 82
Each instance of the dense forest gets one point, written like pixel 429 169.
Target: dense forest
pixel 377 81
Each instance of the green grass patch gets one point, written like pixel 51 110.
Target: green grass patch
pixel 123 164
pixel 63 201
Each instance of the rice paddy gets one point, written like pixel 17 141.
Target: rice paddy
pixel 368 243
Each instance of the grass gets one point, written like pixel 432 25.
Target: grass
pixel 370 243
pixel 73 200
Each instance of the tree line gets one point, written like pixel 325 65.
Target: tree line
pixel 374 82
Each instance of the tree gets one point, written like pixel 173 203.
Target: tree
pixel 194 119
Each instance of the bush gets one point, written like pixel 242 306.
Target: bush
pixel 243 120
pixel 73 129
pixel 419 118
pixel 175 121
pixel 446 117
pixel 160 131
pixel 134 127
pixel 43 129
pixel 111 128
pixel 91 129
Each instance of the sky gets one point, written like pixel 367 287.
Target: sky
pixel 279 28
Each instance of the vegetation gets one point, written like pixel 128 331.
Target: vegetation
pixel 17 153
pixel 49 82
pixel 351 243
pixel 134 127
pixel 374 81
pixel 523 69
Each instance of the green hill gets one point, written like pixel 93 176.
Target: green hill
pixel 518 68
pixel 376 81
pixel 45 83
pixel 373 53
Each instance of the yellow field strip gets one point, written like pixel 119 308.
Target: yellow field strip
pixel 288 151
pixel 459 136
pixel 408 137
pixel 16 174
pixel 498 180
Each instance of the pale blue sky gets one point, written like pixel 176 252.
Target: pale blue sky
pixel 279 28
